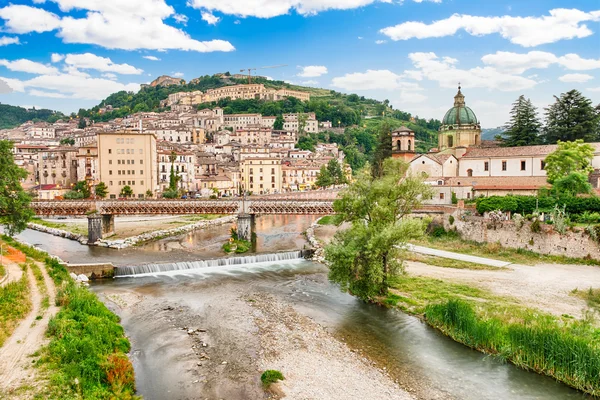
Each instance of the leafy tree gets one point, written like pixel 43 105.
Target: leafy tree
pixel 11 116
pixel 302 118
pixel 324 178
pixel 335 172
pixel 149 194
pixel 101 190
pixel 383 151
pixel 278 125
pixel 364 257
pixel 82 124
pixel 14 201
pixel 170 194
pixel 568 158
pixel 67 141
pixel 173 176
pixel 126 191
pixel 571 117
pixel 306 143
pixel 524 126
pixel 572 184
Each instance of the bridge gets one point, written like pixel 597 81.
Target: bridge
pixel 100 213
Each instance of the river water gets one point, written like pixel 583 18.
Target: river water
pixel 403 344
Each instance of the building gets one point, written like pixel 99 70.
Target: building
pixel 183 164
pixel 460 127
pixel 128 159
pixel 87 164
pixel 261 175
pixel 403 144
pixel 58 166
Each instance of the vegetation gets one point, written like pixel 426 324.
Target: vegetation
pixel 364 257
pixel 569 158
pixel 566 350
pixel 14 201
pixel 78 229
pixel 524 127
pixel 591 296
pixel 126 191
pixel 331 174
pixel 383 150
pixel 67 141
pixel 328 220
pixel 101 190
pixel 80 190
pixel 572 117
pixel 271 376
pixel 236 244
pixel 11 116
pixel 447 262
pixel 14 305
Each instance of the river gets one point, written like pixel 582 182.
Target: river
pixel 159 305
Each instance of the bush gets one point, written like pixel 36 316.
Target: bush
pixel 451 220
pixel 536 226
pixel 170 194
pixel 271 376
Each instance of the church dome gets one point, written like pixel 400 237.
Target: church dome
pixel 460 114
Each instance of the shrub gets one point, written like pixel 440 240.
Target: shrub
pixel 451 220
pixel 536 226
pixel 271 376
pixel 170 194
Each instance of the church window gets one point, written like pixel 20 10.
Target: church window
pixel 409 146
pixel 486 166
pixel 450 141
pixel 523 165
pixel 503 165
pixel 398 145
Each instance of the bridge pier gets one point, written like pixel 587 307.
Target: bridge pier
pixel 94 228
pixel 246 225
pixel 108 225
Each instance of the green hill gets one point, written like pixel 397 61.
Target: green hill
pixel 357 119
pixel 12 116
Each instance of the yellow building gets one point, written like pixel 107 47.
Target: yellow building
pixel 261 175
pixel 127 159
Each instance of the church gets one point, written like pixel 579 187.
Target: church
pixel 468 166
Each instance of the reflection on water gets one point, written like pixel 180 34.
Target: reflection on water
pixel 402 343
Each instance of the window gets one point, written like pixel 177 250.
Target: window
pixel 141 172
pixel 109 151
pixel 441 196
pixel 523 165
pixel 109 162
pixel 141 182
pixel 119 172
pixel 503 165
pixel 273 179
pixel 543 164
pixel 110 171
pixel 468 195
pixel 141 161
pixel 486 166
pixel 260 170
pixel 140 196
pixel 113 196
pixel 109 183
pixel 141 151
pixel 128 162
pixel 272 171
pixel 469 172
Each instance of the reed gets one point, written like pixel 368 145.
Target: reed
pixel 567 351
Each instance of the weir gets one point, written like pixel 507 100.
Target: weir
pixel 218 262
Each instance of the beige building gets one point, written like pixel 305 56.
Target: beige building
pixel 87 164
pixel 261 175
pixel 460 127
pixel 128 159
pixel 58 166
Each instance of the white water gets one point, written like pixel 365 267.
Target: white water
pixel 224 265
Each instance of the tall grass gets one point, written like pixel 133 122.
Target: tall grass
pixel 569 352
pixel 14 305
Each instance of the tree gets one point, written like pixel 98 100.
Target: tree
pixel 101 190
pixel 149 194
pixel 302 123
pixel 568 158
pixel 383 150
pixel 278 125
pixel 364 257
pixel 324 178
pixel 14 201
pixel 126 191
pixel 572 184
pixel 67 141
pixel 524 126
pixel 82 124
pixel 335 172
pixel 571 117
pixel 173 176
pixel 306 143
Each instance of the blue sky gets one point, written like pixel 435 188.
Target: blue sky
pixel 70 54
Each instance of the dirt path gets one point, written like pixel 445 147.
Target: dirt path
pixel 13 273
pixel 543 286
pixel 15 361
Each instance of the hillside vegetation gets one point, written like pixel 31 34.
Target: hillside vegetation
pixel 11 116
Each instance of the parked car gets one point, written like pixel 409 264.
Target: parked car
pixel 197 196
pixel 184 197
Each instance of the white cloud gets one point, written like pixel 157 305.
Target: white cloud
pixel 180 19
pixel 15 85
pixel 177 74
pixel 42 93
pixel 237 22
pixel 374 79
pixel 360 38
pixel 6 40
pixel 104 64
pixel 55 57
pixel 109 75
pixel 73 71
pixel 518 63
pixel 113 24
pixel 310 82
pixel 525 31
pixel 380 41
pixel 312 71
pixel 4 87
pixel 274 8
pixel 28 66
pixel 209 17
pixel 151 58
pixel 596 89
pixel 575 78
pixel 443 71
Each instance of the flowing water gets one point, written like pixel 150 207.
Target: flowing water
pixel 209 291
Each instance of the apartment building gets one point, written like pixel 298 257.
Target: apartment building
pixel 128 159
pixel 183 163
pixel 87 164
pixel 241 121
pixel 58 166
pixel 261 175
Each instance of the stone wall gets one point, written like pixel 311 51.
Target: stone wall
pixel 575 244
pixel 92 271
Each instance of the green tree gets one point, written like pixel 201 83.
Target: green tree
pixel 306 143
pixel 173 176
pixel 364 257
pixel 334 170
pixel 324 178
pixel 14 201
pixel 126 191
pixel 82 124
pixel 149 194
pixel 302 124
pixel 572 184
pixel 524 126
pixel 278 125
pixel 101 190
pixel 67 141
pixel 571 117
pixel 568 158
pixel 383 150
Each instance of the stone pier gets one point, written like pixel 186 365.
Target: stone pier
pixel 108 225
pixel 94 228
pixel 245 226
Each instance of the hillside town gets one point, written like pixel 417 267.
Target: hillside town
pixel 212 154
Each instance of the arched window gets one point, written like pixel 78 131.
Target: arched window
pixel 398 145
pixel 450 141
pixel 409 146
pixel 469 172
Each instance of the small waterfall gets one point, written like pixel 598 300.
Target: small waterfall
pixel 217 262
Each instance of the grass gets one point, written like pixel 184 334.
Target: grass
pixel 15 303
pixel 271 376
pixel 448 263
pixel 591 296
pixel 327 220
pixel 201 217
pixel 77 229
pixel 451 241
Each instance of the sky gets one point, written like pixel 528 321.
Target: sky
pixel 71 54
